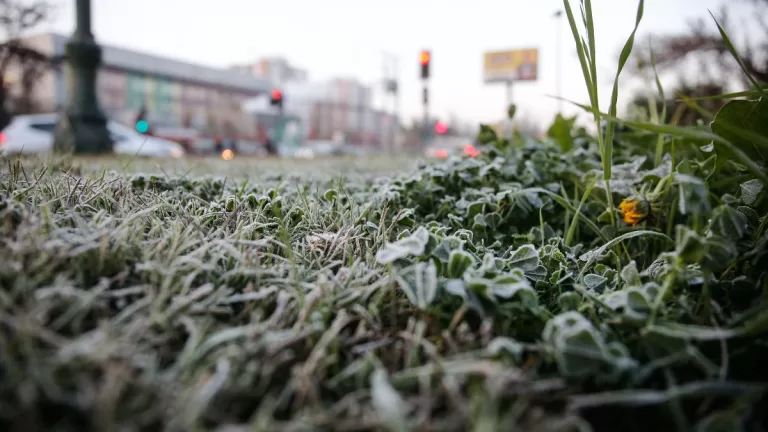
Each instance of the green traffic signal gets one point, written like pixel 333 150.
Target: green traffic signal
pixel 142 126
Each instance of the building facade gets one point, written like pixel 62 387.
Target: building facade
pixel 175 93
pixel 331 108
pixel 276 70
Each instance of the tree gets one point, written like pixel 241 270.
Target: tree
pixel 703 43
pixel 17 18
pixel 717 69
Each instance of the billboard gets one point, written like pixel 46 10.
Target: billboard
pixel 511 65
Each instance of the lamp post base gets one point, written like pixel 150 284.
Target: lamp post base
pixel 80 134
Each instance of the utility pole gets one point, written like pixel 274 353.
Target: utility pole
pixel 558 68
pixel 82 128
pixel 390 73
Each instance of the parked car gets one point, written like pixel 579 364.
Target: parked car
pixel 443 147
pixel 319 148
pixel 34 134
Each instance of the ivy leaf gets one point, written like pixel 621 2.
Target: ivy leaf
pixel 595 282
pixel 728 222
pixel 526 258
pixel 506 345
pixel 750 191
pixel 458 262
pixel 414 245
pixel 693 195
pixel 388 403
pixel 691 248
pixel 745 124
pixel 419 282
pixel 630 275
pixel 514 285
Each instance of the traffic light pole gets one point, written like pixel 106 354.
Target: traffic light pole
pixel 426 104
pixel 510 84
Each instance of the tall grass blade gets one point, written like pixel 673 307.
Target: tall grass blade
pixel 735 54
pixel 625 53
pixel 580 50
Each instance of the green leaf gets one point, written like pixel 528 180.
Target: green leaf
pixel 419 283
pixel 513 285
pixel 506 345
pixel 569 301
pixel 630 275
pixel 729 223
pixel 387 402
pixel 458 263
pixel 526 258
pixel 511 111
pixel 691 248
pixel 751 190
pixel 560 132
pixel 745 124
pixel 591 256
pixel 693 195
pixel 595 282
pixel 414 244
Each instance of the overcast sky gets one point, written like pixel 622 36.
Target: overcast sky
pixel 345 38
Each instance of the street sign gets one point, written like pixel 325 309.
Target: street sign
pixel 511 65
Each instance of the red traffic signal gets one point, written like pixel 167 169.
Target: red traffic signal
pixel 441 128
pixel 424 57
pixel 276 98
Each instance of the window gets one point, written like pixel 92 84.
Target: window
pixel 43 126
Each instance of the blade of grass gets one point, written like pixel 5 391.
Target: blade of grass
pixel 747 93
pixel 663 118
pixel 609 130
pixel 735 54
pixel 626 51
pixel 577 214
pixel 580 49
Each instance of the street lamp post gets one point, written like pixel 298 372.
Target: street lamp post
pixel 392 88
pixel 559 54
pixel 82 128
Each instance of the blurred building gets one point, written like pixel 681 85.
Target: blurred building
pixel 174 92
pixel 275 69
pixel 331 108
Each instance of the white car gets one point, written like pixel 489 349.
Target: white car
pixel 34 134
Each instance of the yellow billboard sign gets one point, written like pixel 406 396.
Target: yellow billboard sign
pixel 511 65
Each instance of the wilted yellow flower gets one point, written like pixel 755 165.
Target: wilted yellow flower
pixel 634 210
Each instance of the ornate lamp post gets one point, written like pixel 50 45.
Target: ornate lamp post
pixel 82 127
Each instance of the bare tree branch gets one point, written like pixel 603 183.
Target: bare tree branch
pixel 17 18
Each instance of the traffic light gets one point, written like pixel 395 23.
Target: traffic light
pixel 424 58
pixel 142 126
pixel 441 128
pixel 276 98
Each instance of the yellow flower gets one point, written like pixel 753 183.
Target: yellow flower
pixel 635 210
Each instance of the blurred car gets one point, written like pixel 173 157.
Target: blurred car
pixel 34 134
pixel 444 147
pixel 313 149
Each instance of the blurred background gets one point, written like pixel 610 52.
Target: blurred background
pixel 302 78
